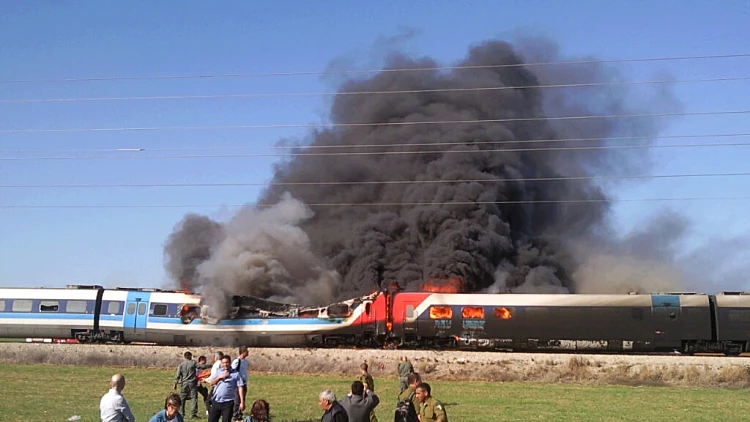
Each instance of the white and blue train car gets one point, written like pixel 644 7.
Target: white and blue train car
pixel 87 313
pixel 95 314
pixel 46 313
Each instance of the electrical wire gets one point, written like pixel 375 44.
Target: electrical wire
pixel 354 93
pixel 365 71
pixel 375 124
pixel 378 182
pixel 387 145
pixel 350 153
pixel 393 204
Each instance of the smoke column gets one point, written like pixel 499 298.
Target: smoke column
pixel 342 251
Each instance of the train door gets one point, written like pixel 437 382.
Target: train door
pixel 667 321
pixel 409 316
pixel 136 315
pixel 369 320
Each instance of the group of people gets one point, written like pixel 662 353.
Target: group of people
pixel 225 393
pixel 359 405
pixel 225 400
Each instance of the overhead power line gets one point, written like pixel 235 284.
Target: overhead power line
pixel 357 153
pixel 365 71
pixel 394 204
pixel 386 145
pixel 378 182
pixel 352 93
pixel 375 124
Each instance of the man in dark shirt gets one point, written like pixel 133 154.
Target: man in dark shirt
pixel 334 412
pixel 186 374
pixel 203 373
pixel 359 403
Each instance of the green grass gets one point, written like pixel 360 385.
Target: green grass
pixel 54 393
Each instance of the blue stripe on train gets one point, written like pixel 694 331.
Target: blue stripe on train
pixel 665 301
pixel 176 321
pixel 257 321
pixel 20 315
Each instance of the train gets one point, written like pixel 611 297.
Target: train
pixel 387 318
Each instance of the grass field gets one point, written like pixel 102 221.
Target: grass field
pixel 55 393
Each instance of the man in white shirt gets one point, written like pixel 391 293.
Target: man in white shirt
pixel 113 407
pixel 214 369
pixel 217 363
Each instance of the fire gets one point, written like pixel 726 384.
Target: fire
pixel 449 285
pixel 184 287
pixel 503 313
pixel 471 312
pixel 441 312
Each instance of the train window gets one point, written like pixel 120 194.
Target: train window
pixel 472 312
pixel 76 306
pixel 504 313
pixel 160 310
pixel 141 309
pixel 113 308
pixel 441 312
pixel 21 305
pixel 2 306
pixel 537 312
pixel 131 308
pixel 49 306
pixel 368 308
pixel 739 316
pixel 410 311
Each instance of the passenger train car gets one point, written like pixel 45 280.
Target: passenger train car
pixel 684 322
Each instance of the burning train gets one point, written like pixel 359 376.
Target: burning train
pixel 685 322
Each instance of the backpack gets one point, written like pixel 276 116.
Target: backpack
pixel 405 411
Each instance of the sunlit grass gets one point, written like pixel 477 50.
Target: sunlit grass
pixel 55 393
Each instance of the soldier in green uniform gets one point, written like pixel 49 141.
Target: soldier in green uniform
pixel 413 380
pixel 430 409
pixel 404 369
pixel 187 375
pixel 369 383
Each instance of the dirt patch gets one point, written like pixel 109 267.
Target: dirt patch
pixel 444 365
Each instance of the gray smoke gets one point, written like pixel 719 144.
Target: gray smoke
pixel 454 220
pixel 259 252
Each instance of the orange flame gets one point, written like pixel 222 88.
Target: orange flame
pixel 471 312
pixel 184 287
pixel 441 312
pixel 448 285
pixel 503 313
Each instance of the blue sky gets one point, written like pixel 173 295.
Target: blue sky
pixel 123 247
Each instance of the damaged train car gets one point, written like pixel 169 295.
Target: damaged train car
pixel 684 322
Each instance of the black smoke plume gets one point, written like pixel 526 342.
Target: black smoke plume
pixel 472 211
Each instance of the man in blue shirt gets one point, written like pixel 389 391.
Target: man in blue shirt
pixel 227 385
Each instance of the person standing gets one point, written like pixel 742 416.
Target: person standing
pixel 404 369
pixel 430 409
pixel 187 375
pixel 214 369
pixel 240 365
pixel 171 412
pixel 203 370
pixel 113 407
pixel 334 412
pixel 369 384
pixel 227 385
pixel 359 403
